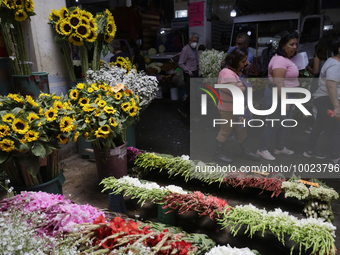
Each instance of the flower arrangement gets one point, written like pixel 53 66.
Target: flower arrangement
pixel 13 13
pixel 210 63
pixel 31 130
pixel 82 29
pixel 124 63
pixel 141 84
pixel 104 112
pixel 220 250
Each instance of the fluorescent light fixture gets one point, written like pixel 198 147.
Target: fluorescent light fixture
pixel 181 14
pixel 327 27
pixel 233 13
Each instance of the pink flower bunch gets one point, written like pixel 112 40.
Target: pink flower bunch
pixel 60 214
pixel 132 153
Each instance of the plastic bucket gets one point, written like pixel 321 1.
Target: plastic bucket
pixel 53 186
pixel 174 94
pixel 164 217
pixel 116 203
pixel 6 79
pixel 114 163
pixel 32 84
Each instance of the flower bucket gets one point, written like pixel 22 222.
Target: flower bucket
pixel 32 84
pixel 174 94
pixel 116 203
pixel 54 186
pixel 82 146
pixel 115 163
pixel 164 217
pixel 6 80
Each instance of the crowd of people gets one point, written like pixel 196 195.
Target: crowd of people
pixel 282 72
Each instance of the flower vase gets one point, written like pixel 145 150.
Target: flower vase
pixel 31 85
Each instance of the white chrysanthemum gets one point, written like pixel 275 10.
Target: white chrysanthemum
pixel 210 63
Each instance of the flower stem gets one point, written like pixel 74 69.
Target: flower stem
pixel 22 50
pixel 96 56
pixel 68 59
pixel 84 60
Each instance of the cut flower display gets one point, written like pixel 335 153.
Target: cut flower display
pixel 210 63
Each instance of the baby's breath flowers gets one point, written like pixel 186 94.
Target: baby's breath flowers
pixel 210 63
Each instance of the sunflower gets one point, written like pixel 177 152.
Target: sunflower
pixel 118 95
pixel 101 103
pixel 97 113
pixel 113 122
pixel 111 28
pixel 125 106
pixel 75 138
pixel 137 98
pixel 41 111
pixel 10 4
pixel 66 124
pixel 99 134
pixel 4 130
pixel 29 5
pixel 108 38
pixel 7 145
pixel 15 97
pixel 58 105
pixel 74 21
pixel 65 27
pixel 105 129
pixel 67 106
pixel 31 101
pixel 51 114
pixel 93 24
pixel 64 13
pixel 133 110
pixel 87 15
pixel 54 14
pixel 83 101
pixel 56 97
pixel 76 11
pixel 19 4
pixel 62 139
pixel 90 90
pixel 44 95
pixel 80 85
pixel 20 126
pixel 74 94
pixel 103 86
pixel 83 30
pixel 127 93
pixel 86 135
pixel 57 27
pixel 88 108
pixel 109 14
pixel 8 117
pixel 94 86
pixel 133 102
pixel 109 110
pixel 109 94
pixel 87 120
pixel 31 136
pixel 92 36
pixel 85 22
pixel 76 40
pixel 32 116
pixel 98 99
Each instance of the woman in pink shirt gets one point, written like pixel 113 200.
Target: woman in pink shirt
pixel 282 72
pixel 235 62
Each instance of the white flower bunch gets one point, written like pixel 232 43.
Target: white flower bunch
pixel 294 189
pixel 144 86
pixel 210 63
pixel 155 65
pixel 323 194
pixel 221 250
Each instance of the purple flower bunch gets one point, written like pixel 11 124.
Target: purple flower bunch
pixel 60 214
pixel 132 153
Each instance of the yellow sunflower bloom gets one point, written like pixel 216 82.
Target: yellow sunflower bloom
pixel 125 106
pixel 74 21
pixel 127 93
pixel 31 101
pixel 80 85
pixel 56 97
pixel 108 38
pixel 83 101
pixel 57 27
pixel 64 13
pixel 99 134
pixel 9 4
pixel 92 36
pixel 32 116
pixel 66 124
pixel 8 117
pixel 16 97
pixel 41 111
pixel 20 126
pixel 101 103
pixel 118 96
pixel 97 113
pixel 76 11
pixel 94 86
pixel 54 13
pixel 58 105
pixel 105 129
pixel 113 122
pixel 4 130
pixel 103 87
pixel 51 114
pixel 93 24
pixel 74 94
pixel 86 135
pixel 111 28
pixel 133 111
pixel 90 90
pixel 19 4
pixel 29 5
pixel 83 31
pixel 44 95
pixel 86 14
pixel 88 108
pixel 87 120
pixel 65 27
pixel 31 136
pixel 109 110
pixel 76 40
pixel 7 145
pixel 109 94
pixel 62 139
pixel 137 98
pixel 75 138
pixel 110 17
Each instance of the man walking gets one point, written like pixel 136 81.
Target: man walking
pixel 188 61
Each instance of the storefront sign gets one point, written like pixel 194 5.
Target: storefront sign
pixel 196 14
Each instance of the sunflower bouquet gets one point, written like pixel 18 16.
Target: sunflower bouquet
pixel 103 113
pixel 77 27
pixel 124 63
pixel 13 13
pixel 30 130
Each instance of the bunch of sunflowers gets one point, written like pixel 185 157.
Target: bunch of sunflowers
pixel 103 113
pixel 124 63
pixel 12 13
pixel 32 129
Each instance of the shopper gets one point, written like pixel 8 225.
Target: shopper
pixel 327 98
pixel 235 63
pixel 188 61
pixel 282 72
pixel 243 40
pixel 117 51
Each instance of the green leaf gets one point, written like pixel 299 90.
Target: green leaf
pixel 16 110
pixel 3 157
pixel 39 150
pixel 102 122
pixel 102 116
pixel 23 146
pixel 32 164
